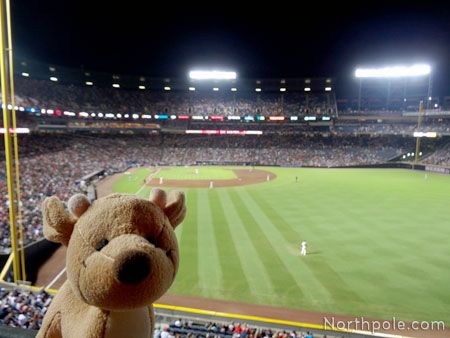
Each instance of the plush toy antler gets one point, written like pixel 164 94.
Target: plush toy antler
pixel 174 206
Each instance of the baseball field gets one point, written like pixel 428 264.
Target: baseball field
pixel 378 240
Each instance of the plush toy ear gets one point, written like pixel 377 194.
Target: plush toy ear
pixel 175 208
pixel 58 223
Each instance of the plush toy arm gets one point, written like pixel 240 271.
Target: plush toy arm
pixel 51 327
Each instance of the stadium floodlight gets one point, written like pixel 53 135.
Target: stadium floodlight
pixel 392 72
pixel 141 87
pixel 54 79
pixel 116 85
pixel 192 89
pixel 234 89
pixel 211 75
pixel 307 89
pixel 25 74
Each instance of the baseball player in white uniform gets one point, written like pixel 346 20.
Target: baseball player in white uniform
pixel 303 252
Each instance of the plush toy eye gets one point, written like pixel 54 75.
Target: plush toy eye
pixel 169 252
pixel 102 244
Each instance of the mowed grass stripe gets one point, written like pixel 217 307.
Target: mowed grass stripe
pixel 284 284
pixel 254 270
pixel 286 243
pixel 328 291
pixel 289 233
pixel 209 269
pixel 230 262
pixel 186 282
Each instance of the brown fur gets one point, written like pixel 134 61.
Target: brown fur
pixel 122 256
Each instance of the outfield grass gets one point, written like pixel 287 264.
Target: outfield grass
pixel 378 243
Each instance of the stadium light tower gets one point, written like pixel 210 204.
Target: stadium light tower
pixel 392 72
pixel 212 75
pixel 398 72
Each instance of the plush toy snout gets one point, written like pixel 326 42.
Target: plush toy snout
pixel 132 267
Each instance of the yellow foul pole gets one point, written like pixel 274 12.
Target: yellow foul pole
pixel 8 147
pixel 16 145
pixel 419 123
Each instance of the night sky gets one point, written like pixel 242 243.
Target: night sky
pixel 258 41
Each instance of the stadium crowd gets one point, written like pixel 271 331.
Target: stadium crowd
pixel 440 157
pixel 390 128
pixel 49 95
pixel 23 309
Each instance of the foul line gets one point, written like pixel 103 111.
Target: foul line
pixel 149 176
pixel 55 279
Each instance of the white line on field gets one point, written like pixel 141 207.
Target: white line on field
pixel 55 279
pixel 149 176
